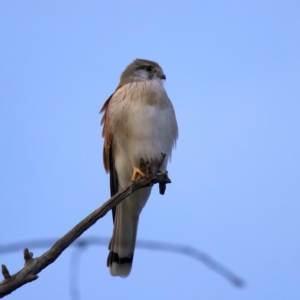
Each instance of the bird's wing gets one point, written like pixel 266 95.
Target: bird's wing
pixel 108 153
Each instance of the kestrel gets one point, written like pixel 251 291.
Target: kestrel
pixel 138 122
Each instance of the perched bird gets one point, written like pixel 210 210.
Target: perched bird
pixel 138 122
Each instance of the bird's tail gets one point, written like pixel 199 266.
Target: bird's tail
pixel 122 243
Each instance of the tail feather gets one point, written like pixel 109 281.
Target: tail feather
pixel 122 243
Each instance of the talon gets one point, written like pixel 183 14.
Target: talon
pixel 162 172
pixel 137 171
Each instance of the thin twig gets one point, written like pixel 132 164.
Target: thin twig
pixel 74 286
pixel 33 266
pixel 144 244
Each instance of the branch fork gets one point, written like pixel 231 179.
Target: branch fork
pixel 33 266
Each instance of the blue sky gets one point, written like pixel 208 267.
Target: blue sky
pixel 233 76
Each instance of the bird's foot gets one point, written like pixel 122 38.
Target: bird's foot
pixel 162 172
pixel 137 171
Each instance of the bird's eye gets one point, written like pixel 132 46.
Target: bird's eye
pixel 149 69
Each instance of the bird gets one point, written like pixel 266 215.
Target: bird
pixel 138 122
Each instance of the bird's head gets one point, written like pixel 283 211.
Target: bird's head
pixel 142 69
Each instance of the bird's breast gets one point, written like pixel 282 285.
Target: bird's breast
pixel 142 122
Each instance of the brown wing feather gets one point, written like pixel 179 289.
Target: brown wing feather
pixel 108 158
pixel 114 182
pixel 106 133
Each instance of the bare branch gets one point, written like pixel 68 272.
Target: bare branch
pixel 196 254
pixel 33 266
pixel 144 244
pixel 5 272
pixel 27 256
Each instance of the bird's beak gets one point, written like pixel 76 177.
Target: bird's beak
pixel 163 76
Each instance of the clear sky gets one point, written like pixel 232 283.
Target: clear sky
pixel 233 75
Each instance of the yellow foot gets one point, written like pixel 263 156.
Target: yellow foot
pixel 135 172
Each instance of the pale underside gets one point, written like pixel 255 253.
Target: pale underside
pixel 139 122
